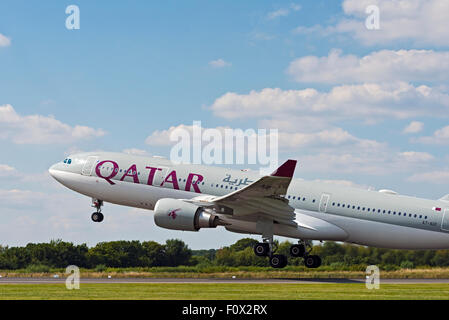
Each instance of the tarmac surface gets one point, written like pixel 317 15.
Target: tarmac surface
pixel 17 280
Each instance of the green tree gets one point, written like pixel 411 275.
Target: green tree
pixel 244 243
pixel 177 253
pixel 154 254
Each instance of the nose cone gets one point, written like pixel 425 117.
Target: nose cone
pixel 55 171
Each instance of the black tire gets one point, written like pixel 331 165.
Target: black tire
pixel 97 217
pixel 297 250
pixel 317 262
pixel 262 249
pixel 312 261
pixel 278 261
pixel 285 262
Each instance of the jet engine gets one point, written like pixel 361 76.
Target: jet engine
pixel 180 215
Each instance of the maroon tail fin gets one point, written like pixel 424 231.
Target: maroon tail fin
pixel 287 169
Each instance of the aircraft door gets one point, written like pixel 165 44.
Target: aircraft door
pixel 445 221
pixel 89 166
pixel 323 202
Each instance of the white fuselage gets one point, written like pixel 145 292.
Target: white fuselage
pixel 323 211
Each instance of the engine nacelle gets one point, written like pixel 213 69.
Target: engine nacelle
pixel 180 215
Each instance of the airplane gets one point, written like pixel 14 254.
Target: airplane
pixel 191 197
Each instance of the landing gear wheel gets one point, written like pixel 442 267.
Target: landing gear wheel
pixel 278 261
pixel 297 250
pixel 262 249
pixel 312 261
pixel 97 217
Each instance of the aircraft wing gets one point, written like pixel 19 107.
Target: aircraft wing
pixel 263 198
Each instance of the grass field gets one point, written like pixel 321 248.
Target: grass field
pixel 225 291
pixel 239 273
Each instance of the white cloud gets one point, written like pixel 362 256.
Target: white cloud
pixel 262 36
pixel 414 156
pixel 162 137
pixel 278 13
pixel 435 177
pixel 414 127
pixel 422 22
pixel 6 170
pixel 379 66
pixel 328 137
pixel 283 12
pixel 373 161
pixel 137 152
pixel 37 129
pixel 4 41
pixel 20 198
pixel 440 136
pixel 287 140
pixel 331 150
pixel 219 63
pixel 398 100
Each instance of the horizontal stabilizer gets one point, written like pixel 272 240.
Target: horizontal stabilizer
pixel 445 198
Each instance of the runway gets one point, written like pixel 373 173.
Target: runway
pixel 17 280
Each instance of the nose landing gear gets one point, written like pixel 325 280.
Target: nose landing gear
pixel 97 216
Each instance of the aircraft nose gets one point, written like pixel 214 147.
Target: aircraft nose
pixel 53 170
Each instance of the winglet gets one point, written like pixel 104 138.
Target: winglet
pixel 287 169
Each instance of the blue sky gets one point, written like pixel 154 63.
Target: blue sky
pixel 361 107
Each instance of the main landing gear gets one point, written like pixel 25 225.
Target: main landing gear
pixel 97 216
pixel 266 249
pixel 302 249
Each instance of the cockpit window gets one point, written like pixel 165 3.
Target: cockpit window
pixel 67 160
